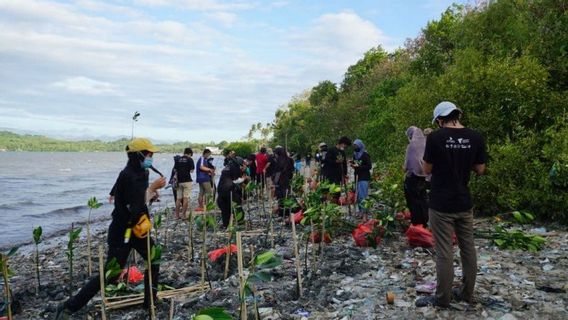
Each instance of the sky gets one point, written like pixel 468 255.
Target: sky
pixel 196 70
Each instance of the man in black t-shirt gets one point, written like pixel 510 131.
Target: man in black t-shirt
pixel 452 152
pixel 335 162
pixel 184 166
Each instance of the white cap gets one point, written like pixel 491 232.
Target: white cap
pixel 443 109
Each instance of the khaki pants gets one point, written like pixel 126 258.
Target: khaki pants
pixel 443 224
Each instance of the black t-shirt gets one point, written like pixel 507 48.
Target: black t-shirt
pixel 332 170
pixel 453 152
pixel 230 172
pixel 184 165
pixel 363 171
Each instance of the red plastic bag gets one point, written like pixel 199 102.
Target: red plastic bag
pixel 298 216
pixel 216 254
pixel 316 238
pixel 134 275
pixel 363 230
pixel 418 236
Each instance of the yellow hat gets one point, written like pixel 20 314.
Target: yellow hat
pixel 141 144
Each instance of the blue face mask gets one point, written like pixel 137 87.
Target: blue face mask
pixel 147 163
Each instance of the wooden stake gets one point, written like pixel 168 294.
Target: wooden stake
pixel 166 211
pixel 90 263
pixel 241 277
pixel 203 246
pixel 298 265
pixel 313 246
pixel 322 236
pixel 190 252
pixel 228 254
pixel 102 282
pixel 171 315
pixel 151 290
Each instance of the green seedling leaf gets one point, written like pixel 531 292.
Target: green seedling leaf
pixel 260 276
pixel 213 313
pixel 93 203
pixel 272 263
pixel 210 205
pixel 12 251
pixel 37 234
pixel 263 257
pixel 156 254
pixel 112 269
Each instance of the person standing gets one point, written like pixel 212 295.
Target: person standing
pixel 132 195
pixel 282 174
pixel 203 177
pixel 184 166
pixel 362 165
pixel 261 161
pixel 335 162
pixel 320 159
pixel 451 153
pixel 415 178
pixel 308 159
pixel 229 188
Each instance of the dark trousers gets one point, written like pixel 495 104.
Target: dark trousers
pixel 224 204
pixel 120 251
pixel 416 199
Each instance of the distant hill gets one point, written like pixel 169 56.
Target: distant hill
pixel 10 141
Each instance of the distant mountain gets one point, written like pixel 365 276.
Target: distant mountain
pixel 10 141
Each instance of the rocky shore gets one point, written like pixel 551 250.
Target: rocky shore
pixel 349 282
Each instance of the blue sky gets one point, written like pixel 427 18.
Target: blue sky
pixel 196 70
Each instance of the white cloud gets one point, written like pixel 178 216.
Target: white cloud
pixel 87 86
pixel 225 18
pixel 201 5
pixel 335 41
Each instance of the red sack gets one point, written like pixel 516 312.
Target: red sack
pixel 316 238
pixel 350 199
pixel 363 230
pixel 418 236
pixel 216 254
pixel 298 216
pixel 134 275
pixel 402 215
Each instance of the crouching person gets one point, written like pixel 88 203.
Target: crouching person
pixel 230 188
pixel 130 222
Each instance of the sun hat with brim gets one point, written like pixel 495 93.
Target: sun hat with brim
pixel 141 144
pixel 443 109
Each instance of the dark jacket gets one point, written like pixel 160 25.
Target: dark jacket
pixel 129 200
pixel 363 171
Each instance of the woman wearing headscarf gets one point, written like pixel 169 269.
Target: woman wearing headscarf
pixel 415 181
pixel 361 164
pixel 283 173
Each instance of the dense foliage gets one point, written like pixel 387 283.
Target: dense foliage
pixel 505 64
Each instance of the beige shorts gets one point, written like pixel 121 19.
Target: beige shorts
pixel 184 190
pixel 205 188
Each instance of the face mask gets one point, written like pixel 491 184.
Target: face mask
pixel 147 163
pixel 356 149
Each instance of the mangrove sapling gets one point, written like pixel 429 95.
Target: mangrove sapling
pixel 134 119
pixel 93 204
pixel 113 270
pixel 190 231
pixel 157 223
pixel 73 236
pixel 6 273
pixel 37 240
pixel 260 262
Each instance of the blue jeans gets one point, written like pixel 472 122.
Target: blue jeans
pixel 362 193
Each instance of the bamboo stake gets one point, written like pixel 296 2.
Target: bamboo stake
pixel 298 266
pixel 190 231
pixel 356 193
pixel 203 246
pixel 171 314
pixel 102 282
pixel 322 236
pixel 241 277
pixel 271 216
pixel 131 300
pixel 228 254
pixel 167 220
pixel 90 263
pixel 313 246
pixel 152 311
